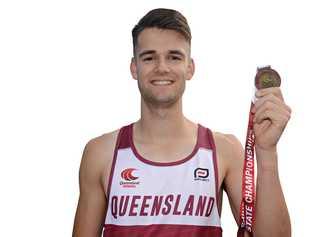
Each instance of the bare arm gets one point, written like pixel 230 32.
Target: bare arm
pixel 271 117
pixel 272 218
pixel 90 212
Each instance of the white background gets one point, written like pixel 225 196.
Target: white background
pixel 64 71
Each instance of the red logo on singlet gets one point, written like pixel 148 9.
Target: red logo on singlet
pixel 130 180
pixel 127 174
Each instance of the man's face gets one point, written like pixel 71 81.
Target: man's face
pixel 161 66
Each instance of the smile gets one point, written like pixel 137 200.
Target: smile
pixel 161 82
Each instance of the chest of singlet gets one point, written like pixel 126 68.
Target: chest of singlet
pixel 151 199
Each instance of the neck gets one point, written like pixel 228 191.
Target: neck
pixel 163 124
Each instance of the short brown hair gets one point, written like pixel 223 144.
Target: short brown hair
pixel 162 18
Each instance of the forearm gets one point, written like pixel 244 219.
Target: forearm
pixel 272 217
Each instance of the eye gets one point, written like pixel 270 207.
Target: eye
pixel 148 59
pixel 173 57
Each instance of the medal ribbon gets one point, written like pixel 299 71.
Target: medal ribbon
pixel 266 77
pixel 247 205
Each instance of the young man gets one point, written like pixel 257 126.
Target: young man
pixel 164 175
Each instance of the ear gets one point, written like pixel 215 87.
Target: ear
pixel 133 68
pixel 190 69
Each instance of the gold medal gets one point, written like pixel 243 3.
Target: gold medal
pixel 267 77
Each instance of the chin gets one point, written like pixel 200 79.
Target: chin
pixel 167 101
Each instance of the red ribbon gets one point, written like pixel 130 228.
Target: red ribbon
pixel 247 205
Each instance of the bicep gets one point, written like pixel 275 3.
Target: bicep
pixel 233 178
pixel 90 212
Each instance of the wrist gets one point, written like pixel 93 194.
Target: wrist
pixel 266 151
pixel 267 159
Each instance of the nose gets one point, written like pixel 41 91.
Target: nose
pixel 162 66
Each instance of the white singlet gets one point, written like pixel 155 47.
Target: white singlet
pixel 154 199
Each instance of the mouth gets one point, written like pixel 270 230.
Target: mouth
pixel 161 82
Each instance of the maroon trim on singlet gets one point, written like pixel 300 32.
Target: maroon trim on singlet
pixel 213 147
pixel 124 139
pixel 119 140
pixel 161 230
pixel 196 147
pixel 204 141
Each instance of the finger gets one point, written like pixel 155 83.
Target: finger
pixel 271 90
pixel 273 99
pixel 270 105
pixel 263 125
pixel 277 115
pixel 269 97
pixel 277 120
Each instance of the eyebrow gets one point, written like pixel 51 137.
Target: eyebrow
pixel 178 52
pixel 146 52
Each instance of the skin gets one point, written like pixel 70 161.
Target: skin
pixel 165 54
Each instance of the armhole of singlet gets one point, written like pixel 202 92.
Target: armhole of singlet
pixel 215 167
pixel 108 191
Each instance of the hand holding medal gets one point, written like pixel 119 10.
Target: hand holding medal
pixel 267 119
pixel 270 113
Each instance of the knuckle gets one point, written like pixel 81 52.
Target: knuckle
pixel 286 117
pixel 268 104
pixel 278 93
pixel 271 96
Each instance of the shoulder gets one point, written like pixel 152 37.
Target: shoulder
pixel 102 144
pixel 97 156
pixel 229 150
pixel 225 141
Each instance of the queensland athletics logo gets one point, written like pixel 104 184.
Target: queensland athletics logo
pixel 130 178
pixel 127 174
pixel 201 174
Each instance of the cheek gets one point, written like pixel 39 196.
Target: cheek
pixel 183 73
pixel 180 69
pixel 144 70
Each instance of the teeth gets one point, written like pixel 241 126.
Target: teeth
pixel 162 82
